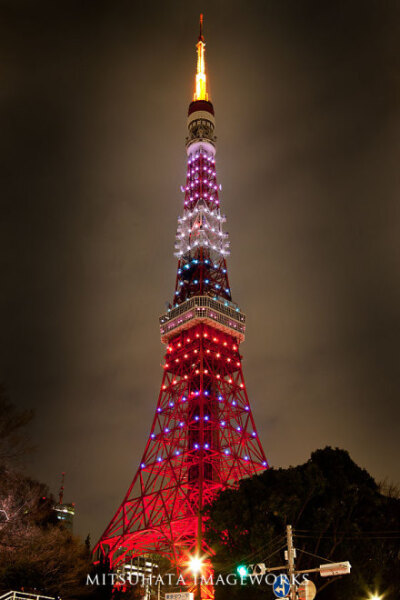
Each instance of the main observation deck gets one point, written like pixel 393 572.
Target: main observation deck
pixel 203 309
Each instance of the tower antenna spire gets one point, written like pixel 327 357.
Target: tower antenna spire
pixel 61 492
pixel 201 38
pixel 201 78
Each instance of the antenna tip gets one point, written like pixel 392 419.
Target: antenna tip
pixel 201 38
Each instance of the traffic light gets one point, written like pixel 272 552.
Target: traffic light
pixel 242 570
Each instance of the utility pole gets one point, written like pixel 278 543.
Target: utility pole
pixel 291 553
pixel 329 569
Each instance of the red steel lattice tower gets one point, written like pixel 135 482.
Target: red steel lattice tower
pixel 203 437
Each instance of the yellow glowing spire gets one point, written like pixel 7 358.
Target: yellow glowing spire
pixel 201 79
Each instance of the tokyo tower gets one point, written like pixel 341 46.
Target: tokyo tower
pixel 203 437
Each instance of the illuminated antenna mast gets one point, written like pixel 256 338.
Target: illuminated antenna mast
pixel 201 79
pixel 61 492
pixel 65 512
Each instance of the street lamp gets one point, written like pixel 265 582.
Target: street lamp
pixel 375 597
pixel 195 564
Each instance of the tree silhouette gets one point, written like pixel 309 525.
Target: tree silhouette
pixel 337 512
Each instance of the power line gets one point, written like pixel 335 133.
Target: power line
pixel 349 537
pixel 276 540
pixel 344 532
pixel 273 553
pixel 315 555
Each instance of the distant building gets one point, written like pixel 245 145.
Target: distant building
pixel 65 514
pixel 141 570
pixel 65 511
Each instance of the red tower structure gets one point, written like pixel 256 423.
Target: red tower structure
pixel 203 437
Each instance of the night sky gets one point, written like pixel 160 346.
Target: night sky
pixel 93 98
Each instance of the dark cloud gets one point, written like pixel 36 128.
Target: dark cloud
pixel 93 108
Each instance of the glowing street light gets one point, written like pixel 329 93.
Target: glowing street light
pixel 376 597
pixel 195 564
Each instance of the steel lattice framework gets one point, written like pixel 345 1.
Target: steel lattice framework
pixel 203 437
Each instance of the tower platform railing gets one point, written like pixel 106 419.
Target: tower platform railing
pixel 202 308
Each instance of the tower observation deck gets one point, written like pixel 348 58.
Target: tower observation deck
pixel 203 437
